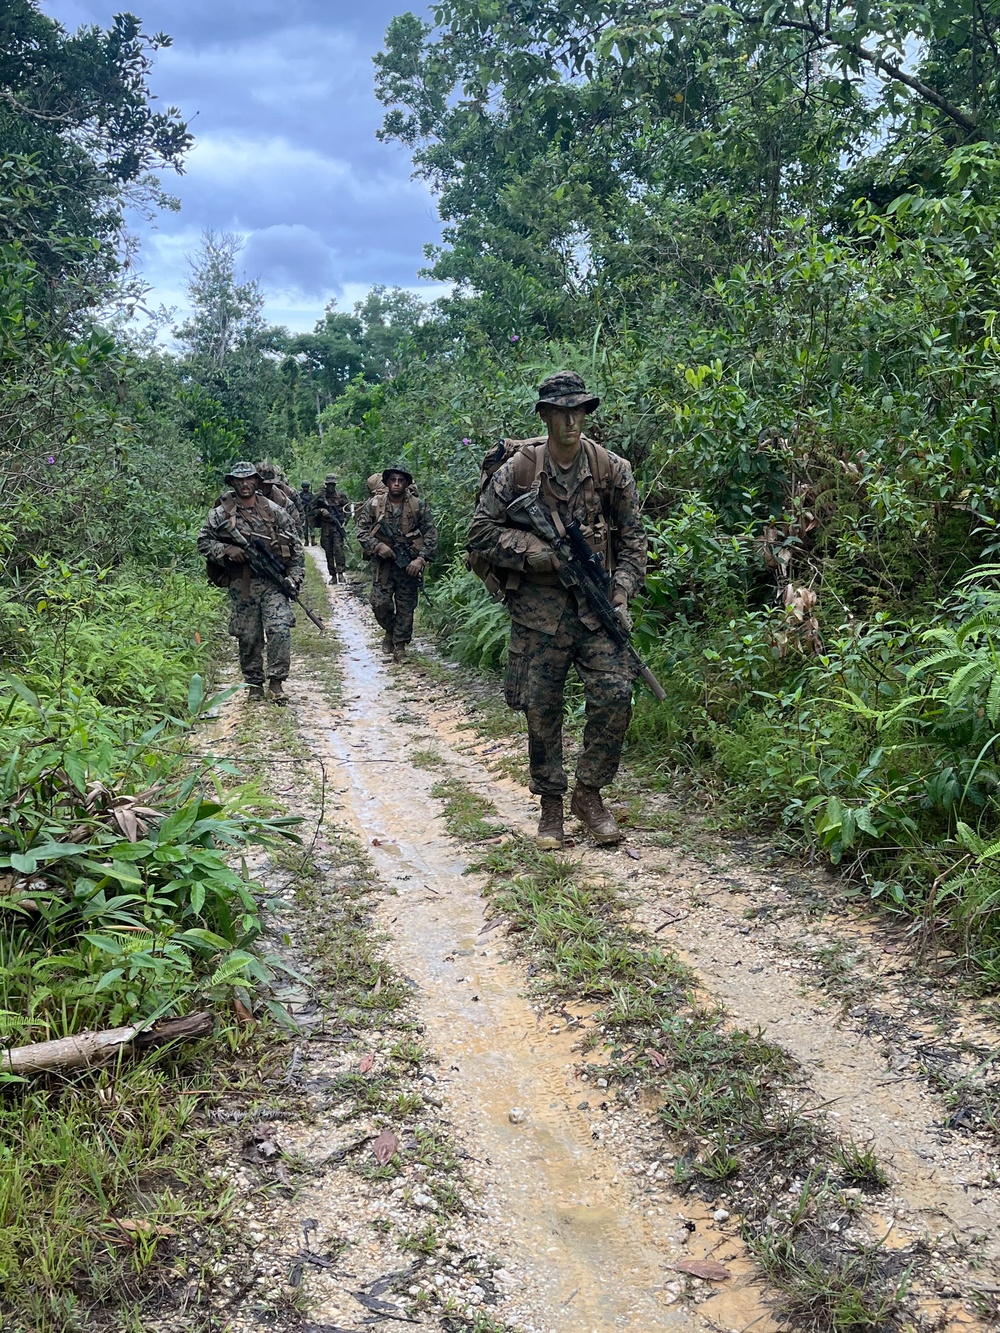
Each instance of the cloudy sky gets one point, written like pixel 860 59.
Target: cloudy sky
pixel 279 96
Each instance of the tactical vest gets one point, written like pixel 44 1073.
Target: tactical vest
pixel 222 575
pixel 409 529
pixel 529 471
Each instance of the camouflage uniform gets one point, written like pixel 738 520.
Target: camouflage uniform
pixel 394 593
pixel 307 503
pixel 551 626
pixel 332 502
pixel 280 493
pixel 260 615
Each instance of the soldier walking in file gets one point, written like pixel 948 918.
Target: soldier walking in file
pixel 278 492
pixel 330 511
pixel 307 504
pixel 397 534
pixel 261 617
pixel 552 626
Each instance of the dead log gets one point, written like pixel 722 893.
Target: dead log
pixel 94 1048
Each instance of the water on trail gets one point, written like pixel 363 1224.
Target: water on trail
pixel 594 1259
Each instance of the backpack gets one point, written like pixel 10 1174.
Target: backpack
pixel 529 459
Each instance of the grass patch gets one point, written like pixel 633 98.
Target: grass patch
pixel 426 758
pixel 102 1180
pixel 467 815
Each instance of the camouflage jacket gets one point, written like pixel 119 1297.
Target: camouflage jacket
pixel 539 600
pixel 410 521
pixel 338 503
pixel 264 519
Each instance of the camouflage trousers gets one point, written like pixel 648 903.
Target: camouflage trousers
pixel 332 541
pixel 394 603
pixel 537 668
pixel 263 618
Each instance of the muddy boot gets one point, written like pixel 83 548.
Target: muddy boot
pixel 387 645
pixel 589 808
pixel 550 826
pixel 255 694
pixel 277 694
pixel 399 652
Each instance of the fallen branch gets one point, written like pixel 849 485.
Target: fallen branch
pixel 94 1048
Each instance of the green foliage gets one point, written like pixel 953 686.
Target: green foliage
pixel 118 898
pixel 785 292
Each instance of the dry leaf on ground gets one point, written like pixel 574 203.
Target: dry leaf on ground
pixel 385 1147
pixel 710 1269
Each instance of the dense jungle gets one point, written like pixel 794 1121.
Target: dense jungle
pixel 767 237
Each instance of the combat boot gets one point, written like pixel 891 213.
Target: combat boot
pixel 589 808
pixel 387 645
pixel 277 694
pixel 399 652
pixel 550 826
pixel 255 694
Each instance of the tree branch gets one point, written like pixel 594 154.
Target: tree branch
pixel 826 38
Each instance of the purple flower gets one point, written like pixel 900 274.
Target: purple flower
pixel 50 459
pixel 466 440
pixel 515 337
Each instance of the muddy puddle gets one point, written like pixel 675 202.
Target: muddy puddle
pixel 593 1258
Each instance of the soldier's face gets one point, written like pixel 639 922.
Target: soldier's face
pixel 396 484
pixel 244 486
pixel 565 424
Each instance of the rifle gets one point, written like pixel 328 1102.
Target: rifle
pixel 331 513
pixel 402 552
pixel 266 565
pixel 580 567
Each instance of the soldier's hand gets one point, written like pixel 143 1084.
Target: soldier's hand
pixel 236 554
pixel 383 551
pixel 619 604
pixel 415 567
pixel 539 556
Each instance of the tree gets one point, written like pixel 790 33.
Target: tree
pixel 230 354
pixel 80 137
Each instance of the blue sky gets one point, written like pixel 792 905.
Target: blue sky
pixel 279 96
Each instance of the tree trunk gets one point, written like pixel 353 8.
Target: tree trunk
pixel 94 1048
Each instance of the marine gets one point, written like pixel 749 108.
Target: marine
pixel 275 489
pixel 397 535
pixel 307 504
pixel 552 627
pixel 261 617
pixel 330 512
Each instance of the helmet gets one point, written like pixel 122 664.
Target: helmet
pixel 239 471
pixel 305 486
pixel 565 389
pixel 330 479
pixel 397 467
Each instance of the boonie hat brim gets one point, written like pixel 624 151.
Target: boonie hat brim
pixel 400 472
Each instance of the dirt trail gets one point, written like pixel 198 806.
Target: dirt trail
pixel 753 945
pixel 591 1258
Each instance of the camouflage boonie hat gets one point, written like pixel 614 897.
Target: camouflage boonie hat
pixel 266 471
pixel 565 389
pixel 330 479
pixel 397 467
pixel 239 471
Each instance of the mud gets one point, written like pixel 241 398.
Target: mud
pixel 591 1258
